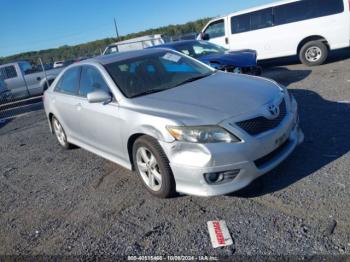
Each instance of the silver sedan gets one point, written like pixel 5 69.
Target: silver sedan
pixel 181 125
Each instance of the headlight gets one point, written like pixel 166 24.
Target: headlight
pixel 285 90
pixel 202 134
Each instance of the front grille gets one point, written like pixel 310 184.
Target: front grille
pixel 261 124
pixel 269 157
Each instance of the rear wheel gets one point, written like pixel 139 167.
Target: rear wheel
pixel 313 53
pixel 60 133
pixel 152 165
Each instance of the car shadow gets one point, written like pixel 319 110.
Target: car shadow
pixel 334 56
pixel 326 127
pixel 285 76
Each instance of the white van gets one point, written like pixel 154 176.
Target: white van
pixel 308 28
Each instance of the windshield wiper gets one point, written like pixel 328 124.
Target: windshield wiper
pixel 192 79
pixel 150 91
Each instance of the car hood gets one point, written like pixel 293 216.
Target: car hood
pixel 242 58
pixel 210 100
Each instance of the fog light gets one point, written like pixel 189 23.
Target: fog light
pixel 213 178
pixel 221 177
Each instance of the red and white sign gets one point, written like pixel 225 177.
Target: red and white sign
pixel 219 234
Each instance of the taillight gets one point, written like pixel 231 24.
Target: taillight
pixel 349 4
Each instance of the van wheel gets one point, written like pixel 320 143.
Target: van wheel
pixel 152 165
pixel 313 53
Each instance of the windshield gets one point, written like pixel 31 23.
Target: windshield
pixel 155 72
pixel 200 48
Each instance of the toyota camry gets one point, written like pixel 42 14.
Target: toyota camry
pixel 181 125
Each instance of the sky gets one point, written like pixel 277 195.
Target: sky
pixel 30 25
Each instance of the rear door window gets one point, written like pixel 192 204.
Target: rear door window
pixel 69 82
pixel 8 72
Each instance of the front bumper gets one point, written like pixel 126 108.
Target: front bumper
pixel 189 162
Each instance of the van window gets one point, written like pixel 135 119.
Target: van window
pixel 216 29
pixel 284 14
pixel 294 12
pixel 252 21
pixel 240 24
pixel 329 7
pixel 261 19
pixel 307 9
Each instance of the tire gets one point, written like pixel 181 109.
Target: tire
pixel 163 185
pixel 60 133
pixel 313 53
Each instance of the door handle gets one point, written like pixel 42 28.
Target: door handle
pixel 226 40
pixel 38 78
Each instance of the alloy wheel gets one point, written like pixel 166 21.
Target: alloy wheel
pixel 148 168
pixel 61 136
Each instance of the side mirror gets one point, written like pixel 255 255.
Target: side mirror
pixel 205 37
pixel 99 96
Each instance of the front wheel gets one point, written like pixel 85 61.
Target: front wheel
pixel 313 53
pixel 152 165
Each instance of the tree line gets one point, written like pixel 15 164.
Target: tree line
pixel 95 47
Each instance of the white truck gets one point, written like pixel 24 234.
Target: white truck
pixel 20 80
pixel 137 43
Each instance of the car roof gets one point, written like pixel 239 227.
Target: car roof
pixel 118 57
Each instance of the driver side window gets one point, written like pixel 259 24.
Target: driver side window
pixel 91 80
pixel 216 29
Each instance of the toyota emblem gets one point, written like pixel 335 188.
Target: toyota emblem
pixel 274 110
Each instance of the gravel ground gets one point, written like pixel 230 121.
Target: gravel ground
pixel 57 202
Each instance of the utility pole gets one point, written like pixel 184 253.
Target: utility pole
pixel 116 29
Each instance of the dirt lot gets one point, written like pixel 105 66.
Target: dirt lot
pixel 54 201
